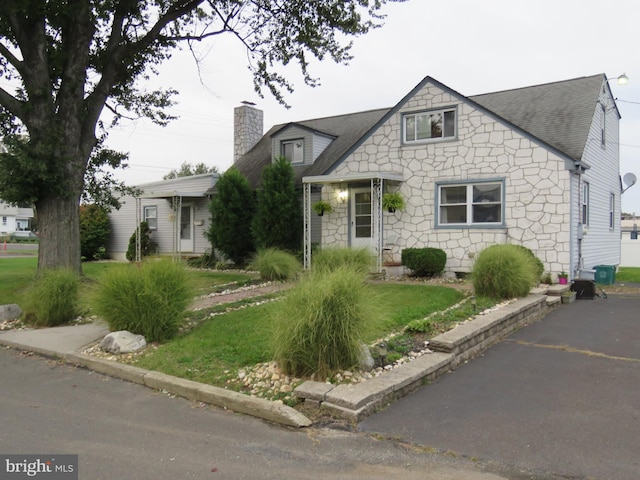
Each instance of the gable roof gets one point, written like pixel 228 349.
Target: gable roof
pixel 558 114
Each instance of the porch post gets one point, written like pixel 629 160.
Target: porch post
pixel 306 207
pixel 376 192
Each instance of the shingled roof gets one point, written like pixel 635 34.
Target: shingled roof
pixel 558 114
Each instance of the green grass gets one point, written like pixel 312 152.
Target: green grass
pixel 16 274
pixel 213 351
pixel 628 275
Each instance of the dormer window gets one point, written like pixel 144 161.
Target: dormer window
pixel 428 126
pixel 293 150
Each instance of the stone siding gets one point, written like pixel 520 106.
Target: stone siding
pixel 537 193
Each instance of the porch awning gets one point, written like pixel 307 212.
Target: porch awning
pixel 354 177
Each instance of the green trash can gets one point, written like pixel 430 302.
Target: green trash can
pixel 605 274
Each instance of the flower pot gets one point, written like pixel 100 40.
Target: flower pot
pixel 562 280
pixel 568 298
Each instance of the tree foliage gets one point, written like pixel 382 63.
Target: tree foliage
pixel 232 209
pixel 73 68
pixel 187 170
pixel 278 219
pixel 94 231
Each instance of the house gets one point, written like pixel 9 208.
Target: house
pixel 176 210
pixel 630 255
pixel 15 221
pixel 535 166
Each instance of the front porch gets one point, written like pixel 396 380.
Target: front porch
pixel 363 216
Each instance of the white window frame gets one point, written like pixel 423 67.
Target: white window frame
pixel 469 204
pixel 413 129
pixel 603 126
pixel 612 211
pixel 146 216
pixel 298 144
pixel 584 202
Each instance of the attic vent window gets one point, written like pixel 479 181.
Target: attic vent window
pixel 293 150
pixel 430 125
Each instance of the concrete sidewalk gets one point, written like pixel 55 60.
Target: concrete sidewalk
pixel 67 343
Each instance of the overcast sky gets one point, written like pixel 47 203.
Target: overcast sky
pixel 472 47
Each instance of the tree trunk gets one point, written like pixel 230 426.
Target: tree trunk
pixel 59 232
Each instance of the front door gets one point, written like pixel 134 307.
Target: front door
pixel 186 229
pixel 361 218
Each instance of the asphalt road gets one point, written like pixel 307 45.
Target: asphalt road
pixel 126 431
pixel 559 396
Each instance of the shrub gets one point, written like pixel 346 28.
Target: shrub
pixel 94 231
pixel 53 298
pixel 424 262
pixel 232 210
pixel 149 299
pixel 537 264
pixel 275 265
pixel 503 272
pixel 329 259
pixel 145 242
pixel 278 219
pixel 318 326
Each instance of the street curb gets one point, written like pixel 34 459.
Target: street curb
pixel 199 392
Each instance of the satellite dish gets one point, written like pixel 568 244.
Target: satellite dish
pixel 629 180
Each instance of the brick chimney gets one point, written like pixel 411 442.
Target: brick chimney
pixel 247 128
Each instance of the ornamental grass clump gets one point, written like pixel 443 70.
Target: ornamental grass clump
pixel 319 325
pixel 275 265
pixel 503 272
pixel 149 299
pixel 329 259
pixel 53 299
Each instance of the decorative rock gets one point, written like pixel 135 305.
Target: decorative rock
pixel 365 358
pixel 123 342
pixel 10 312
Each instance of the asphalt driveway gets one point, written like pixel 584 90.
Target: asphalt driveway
pixel 561 396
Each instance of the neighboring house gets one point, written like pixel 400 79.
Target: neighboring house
pixel 630 256
pixel 176 210
pixel 15 221
pixel 535 166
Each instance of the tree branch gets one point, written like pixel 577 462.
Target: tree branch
pixel 11 58
pixel 11 103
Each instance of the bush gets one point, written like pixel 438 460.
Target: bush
pixel 537 264
pixel 278 219
pixel 94 232
pixel 319 325
pixel 145 242
pixel 329 259
pixel 503 272
pixel 275 265
pixel 149 299
pixel 53 299
pixel 424 262
pixel 232 210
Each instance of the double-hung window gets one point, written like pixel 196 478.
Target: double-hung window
pixel 293 150
pixel 612 211
pixel 471 203
pixel 584 201
pixel 428 126
pixel 150 215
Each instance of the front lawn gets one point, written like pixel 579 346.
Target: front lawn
pixel 215 350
